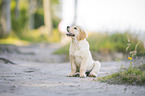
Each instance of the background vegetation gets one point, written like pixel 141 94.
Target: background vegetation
pixel 109 43
pixel 27 20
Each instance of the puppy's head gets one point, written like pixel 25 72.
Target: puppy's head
pixel 76 32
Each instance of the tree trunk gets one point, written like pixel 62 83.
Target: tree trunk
pixel 47 16
pixel 17 9
pixel 5 18
pixel 32 4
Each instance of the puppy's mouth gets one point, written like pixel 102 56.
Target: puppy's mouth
pixel 70 34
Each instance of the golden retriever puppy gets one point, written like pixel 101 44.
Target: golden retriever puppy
pixel 80 55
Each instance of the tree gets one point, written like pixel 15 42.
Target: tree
pixel 5 18
pixel 47 16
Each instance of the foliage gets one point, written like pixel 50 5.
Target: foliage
pixel 20 23
pixel 38 18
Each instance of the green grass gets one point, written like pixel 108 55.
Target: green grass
pixel 132 75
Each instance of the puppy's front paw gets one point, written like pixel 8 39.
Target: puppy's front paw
pixel 70 74
pixel 92 75
pixel 82 75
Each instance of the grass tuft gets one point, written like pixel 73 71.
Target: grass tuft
pixel 133 76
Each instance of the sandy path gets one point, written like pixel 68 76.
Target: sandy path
pixel 41 74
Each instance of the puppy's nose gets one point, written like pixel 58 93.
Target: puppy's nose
pixel 68 27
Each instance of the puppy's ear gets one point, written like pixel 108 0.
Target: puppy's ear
pixel 82 34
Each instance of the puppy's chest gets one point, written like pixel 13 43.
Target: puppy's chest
pixel 78 60
pixel 76 46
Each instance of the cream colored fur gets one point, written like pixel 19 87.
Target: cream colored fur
pixel 80 55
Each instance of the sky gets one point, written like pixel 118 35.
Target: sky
pixel 105 15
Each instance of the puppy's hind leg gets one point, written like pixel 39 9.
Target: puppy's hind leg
pixel 95 70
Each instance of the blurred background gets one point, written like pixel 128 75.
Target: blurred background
pixel 113 25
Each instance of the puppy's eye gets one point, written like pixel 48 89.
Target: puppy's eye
pixel 75 28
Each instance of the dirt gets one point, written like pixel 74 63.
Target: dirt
pixel 38 72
